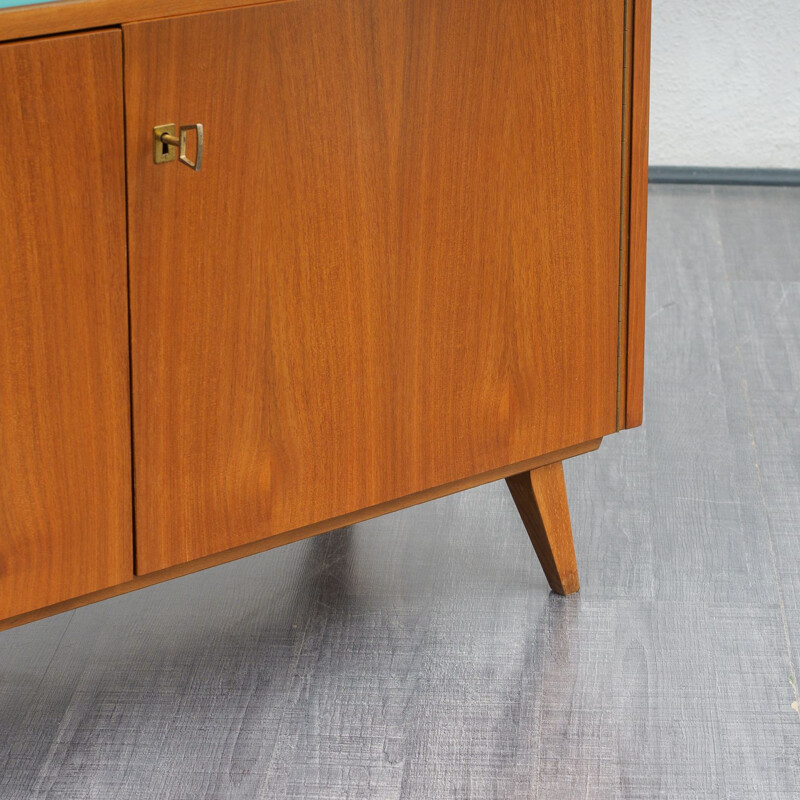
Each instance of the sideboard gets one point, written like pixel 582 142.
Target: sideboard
pixel 267 271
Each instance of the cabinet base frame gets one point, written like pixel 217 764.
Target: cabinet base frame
pixel 519 469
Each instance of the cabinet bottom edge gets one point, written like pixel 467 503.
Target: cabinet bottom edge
pixel 251 548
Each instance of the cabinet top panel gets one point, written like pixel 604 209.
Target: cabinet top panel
pixel 21 19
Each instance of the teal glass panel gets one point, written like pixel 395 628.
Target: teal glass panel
pixel 14 3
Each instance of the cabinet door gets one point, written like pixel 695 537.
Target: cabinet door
pixel 65 483
pixel 398 267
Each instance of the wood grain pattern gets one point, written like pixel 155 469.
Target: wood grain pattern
pixel 392 272
pixel 65 490
pixel 73 15
pixel 637 255
pixel 141 581
pixel 541 499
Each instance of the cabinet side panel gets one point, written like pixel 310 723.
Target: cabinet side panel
pixel 65 488
pixel 640 107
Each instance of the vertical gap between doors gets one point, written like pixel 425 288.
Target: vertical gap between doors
pixel 130 336
pixel 624 216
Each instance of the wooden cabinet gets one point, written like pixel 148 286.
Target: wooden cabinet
pixel 406 267
pixel 65 462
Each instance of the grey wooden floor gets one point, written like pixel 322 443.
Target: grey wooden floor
pixel 421 656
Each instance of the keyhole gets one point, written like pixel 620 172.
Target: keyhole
pixel 164 148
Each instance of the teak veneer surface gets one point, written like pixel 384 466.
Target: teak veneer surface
pixel 65 480
pixel 142 581
pixel 398 268
pixel 73 15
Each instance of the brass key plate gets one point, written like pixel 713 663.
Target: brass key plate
pixel 163 153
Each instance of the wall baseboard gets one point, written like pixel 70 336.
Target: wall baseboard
pixel 729 176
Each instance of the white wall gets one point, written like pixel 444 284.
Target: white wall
pixel 725 83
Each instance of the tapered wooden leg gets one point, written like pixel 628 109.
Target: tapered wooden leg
pixel 541 499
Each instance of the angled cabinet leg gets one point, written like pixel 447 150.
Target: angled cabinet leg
pixel 541 499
